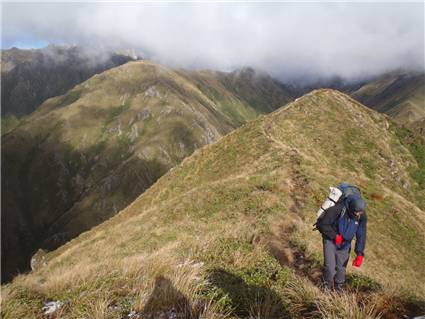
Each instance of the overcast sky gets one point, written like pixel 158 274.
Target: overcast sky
pixel 288 40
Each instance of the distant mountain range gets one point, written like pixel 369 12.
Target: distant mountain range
pixel 29 77
pixel 71 161
pixel 398 94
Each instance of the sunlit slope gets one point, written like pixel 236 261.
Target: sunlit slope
pixel 253 88
pixel 244 207
pixel 83 156
pixel 30 76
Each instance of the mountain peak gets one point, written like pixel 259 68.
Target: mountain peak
pixel 116 132
pixel 337 105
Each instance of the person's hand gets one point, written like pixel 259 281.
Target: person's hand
pixel 357 262
pixel 338 239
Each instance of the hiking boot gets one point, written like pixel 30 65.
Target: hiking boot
pixel 326 287
pixel 339 287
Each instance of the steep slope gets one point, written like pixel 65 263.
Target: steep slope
pixel 83 156
pixel 255 88
pixel 419 126
pixel 399 94
pixel 29 77
pixel 228 231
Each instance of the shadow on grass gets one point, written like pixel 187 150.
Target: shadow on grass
pixel 392 306
pixel 245 299
pixel 166 297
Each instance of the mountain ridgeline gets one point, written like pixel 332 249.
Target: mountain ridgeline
pixel 83 156
pixel 29 77
pixel 227 232
pixel 398 94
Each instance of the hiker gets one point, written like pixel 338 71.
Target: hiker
pixel 339 224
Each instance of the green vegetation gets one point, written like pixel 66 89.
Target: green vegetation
pixel 8 123
pixel 245 291
pixel 113 112
pixel 85 155
pixel 227 232
pixel 359 282
pixel 398 94
pixel 70 98
pixel 241 95
pixel 31 76
pixel 416 145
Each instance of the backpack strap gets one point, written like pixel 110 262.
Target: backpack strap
pixel 342 213
pixel 333 201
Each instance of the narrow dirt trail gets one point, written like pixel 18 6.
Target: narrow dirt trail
pixel 279 242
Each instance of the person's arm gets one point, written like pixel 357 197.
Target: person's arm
pixel 360 241
pixel 361 236
pixel 325 224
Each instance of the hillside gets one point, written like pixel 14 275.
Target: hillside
pixel 398 94
pixel 83 156
pixel 255 88
pixel 227 232
pixel 29 77
pixel 419 126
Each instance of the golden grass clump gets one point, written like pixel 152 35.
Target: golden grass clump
pixel 148 284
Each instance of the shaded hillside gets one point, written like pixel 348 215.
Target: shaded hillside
pixel 399 94
pixel 83 156
pixel 29 77
pixel 227 233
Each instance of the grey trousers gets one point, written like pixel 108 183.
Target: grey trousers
pixel 335 262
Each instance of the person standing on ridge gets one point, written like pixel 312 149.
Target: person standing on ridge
pixel 338 225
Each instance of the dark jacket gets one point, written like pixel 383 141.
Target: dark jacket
pixel 328 226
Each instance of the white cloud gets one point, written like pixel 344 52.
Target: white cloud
pixel 286 39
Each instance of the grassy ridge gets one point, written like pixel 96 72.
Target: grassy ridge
pixel 227 233
pixel 416 145
pixel 83 156
pixel 398 94
pixel 30 76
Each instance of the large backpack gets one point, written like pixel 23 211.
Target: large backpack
pixel 337 195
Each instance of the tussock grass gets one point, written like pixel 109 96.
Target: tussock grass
pixel 106 141
pixel 243 207
pixel 302 297
pixel 346 306
pixel 308 301
pixel 152 284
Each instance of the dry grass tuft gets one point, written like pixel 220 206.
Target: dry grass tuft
pixel 224 206
pixel 346 305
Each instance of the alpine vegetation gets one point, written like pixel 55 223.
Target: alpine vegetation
pixel 227 233
pixel 83 156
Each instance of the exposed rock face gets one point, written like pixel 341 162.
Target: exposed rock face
pixel 39 259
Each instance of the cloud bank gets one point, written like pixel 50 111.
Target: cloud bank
pixel 289 40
